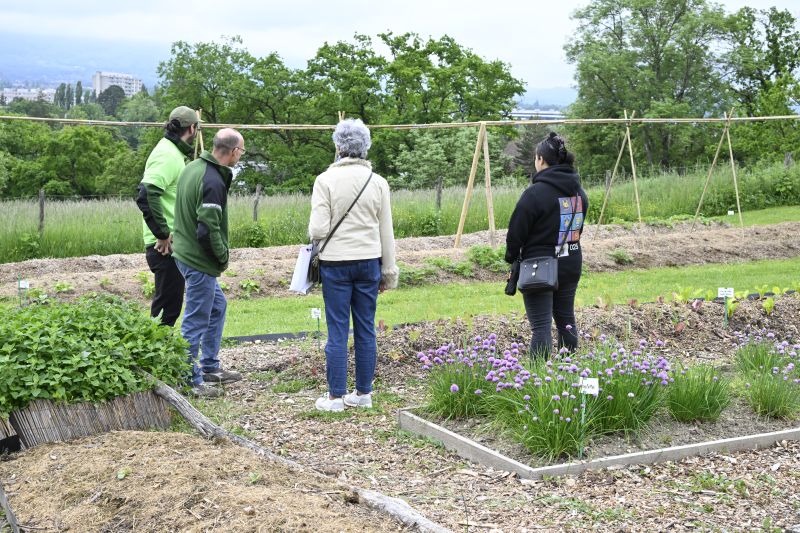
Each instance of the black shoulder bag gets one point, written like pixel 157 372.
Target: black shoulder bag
pixel 540 274
pixel 313 267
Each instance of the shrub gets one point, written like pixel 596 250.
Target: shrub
pixel 775 394
pixel 489 258
pixel 620 257
pixel 698 393
pixel 87 351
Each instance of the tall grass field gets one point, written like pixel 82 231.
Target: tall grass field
pixel 87 227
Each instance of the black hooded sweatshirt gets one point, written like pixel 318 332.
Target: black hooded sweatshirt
pixel 543 214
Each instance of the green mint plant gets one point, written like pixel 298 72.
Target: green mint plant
pixel 249 286
pixel 86 351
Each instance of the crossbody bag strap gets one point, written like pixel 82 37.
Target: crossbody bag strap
pixel 327 240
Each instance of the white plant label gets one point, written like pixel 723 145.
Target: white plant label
pixel 730 213
pixel 590 386
pixel 724 292
pixel 24 284
pixel 316 312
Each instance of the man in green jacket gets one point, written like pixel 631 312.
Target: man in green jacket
pixel 200 249
pixel 156 200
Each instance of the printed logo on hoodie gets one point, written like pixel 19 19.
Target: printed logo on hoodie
pixel 568 206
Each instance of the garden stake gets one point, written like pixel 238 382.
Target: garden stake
pixel 583 425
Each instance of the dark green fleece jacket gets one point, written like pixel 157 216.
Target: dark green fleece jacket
pixel 200 235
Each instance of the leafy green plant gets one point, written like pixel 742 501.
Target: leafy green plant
pixel 86 351
pixel 769 305
pixel 28 246
pixel 684 295
pixel 492 259
pixel 105 283
pixel 148 284
pixel 224 287
pixel 249 286
pixel 230 273
pixel 731 304
pixel 620 257
pixel 698 393
pixel 415 276
pixel 462 268
pixel 63 286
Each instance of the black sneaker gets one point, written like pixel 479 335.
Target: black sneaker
pixel 205 391
pixel 221 376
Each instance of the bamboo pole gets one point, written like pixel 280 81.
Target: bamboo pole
pixel 735 182
pixel 611 181
pixel 198 140
pixel 489 200
pixel 433 125
pixel 468 195
pixel 633 168
pixel 711 169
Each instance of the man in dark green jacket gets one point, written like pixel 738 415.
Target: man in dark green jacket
pixel 156 201
pixel 200 249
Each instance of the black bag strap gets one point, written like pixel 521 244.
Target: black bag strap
pixel 347 213
pixel 568 230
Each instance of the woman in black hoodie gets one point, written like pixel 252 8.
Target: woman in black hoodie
pixel 549 218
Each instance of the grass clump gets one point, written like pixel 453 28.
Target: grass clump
pixel 772 380
pixel 698 394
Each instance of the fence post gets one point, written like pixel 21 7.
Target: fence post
pixel 41 212
pixel 439 184
pixel 255 204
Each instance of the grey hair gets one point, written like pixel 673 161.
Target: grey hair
pixel 226 140
pixel 352 138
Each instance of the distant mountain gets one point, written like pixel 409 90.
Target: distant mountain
pixel 48 61
pixel 548 97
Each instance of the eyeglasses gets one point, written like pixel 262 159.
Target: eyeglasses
pixel 242 150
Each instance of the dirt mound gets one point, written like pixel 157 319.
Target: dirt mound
pixel 271 268
pixel 139 481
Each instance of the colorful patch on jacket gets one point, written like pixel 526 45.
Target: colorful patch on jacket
pixel 568 206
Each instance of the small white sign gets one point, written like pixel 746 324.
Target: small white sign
pixel 730 213
pixel 316 312
pixel 24 284
pixel 590 386
pixel 724 292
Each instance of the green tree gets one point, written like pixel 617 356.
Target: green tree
pixel 651 56
pixel 60 96
pixel 78 92
pixel 138 108
pixel 76 157
pixel 111 99
pixel 69 97
pixel 525 147
pixel 87 112
pixel 33 108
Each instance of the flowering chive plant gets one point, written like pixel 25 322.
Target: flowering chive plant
pixel 770 370
pixel 540 403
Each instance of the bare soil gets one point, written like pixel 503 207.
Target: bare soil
pixel 140 481
pixel 271 268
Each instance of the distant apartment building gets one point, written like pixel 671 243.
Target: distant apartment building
pixel 103 80
pixel 9 94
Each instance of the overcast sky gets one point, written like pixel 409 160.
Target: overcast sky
pixel 529 35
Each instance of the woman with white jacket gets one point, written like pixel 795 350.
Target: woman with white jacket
pixel 357 263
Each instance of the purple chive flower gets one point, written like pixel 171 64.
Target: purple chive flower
pixel 630 395
pixel 453 388
pixel 556 397
pixel 527 397
pixel 609 397
pixel 568 419
pixel 478 392
pixel 556 411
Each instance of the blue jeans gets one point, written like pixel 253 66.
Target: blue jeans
pixel 203 319
pixel 350 287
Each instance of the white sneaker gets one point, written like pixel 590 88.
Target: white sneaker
pixel 354 400
pixel 324 403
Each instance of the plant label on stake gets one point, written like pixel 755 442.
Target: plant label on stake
pixel 587 386
pixel 22 290
pixel 316 312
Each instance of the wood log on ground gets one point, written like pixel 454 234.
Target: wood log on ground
pixel 8 515
pixel 394 507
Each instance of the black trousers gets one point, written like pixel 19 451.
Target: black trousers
pixel 168 297
pixel 542 308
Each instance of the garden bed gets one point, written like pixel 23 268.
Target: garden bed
pixel 476 440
